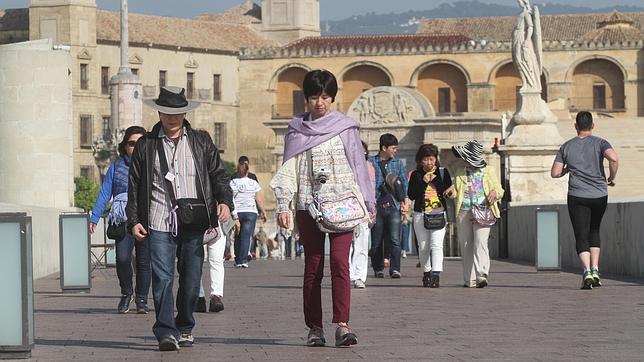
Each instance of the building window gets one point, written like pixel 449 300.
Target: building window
pixel 599 96
pixel 107 132
pixel 162 78
pixel 190 85
pixel 216 87
pixel 105 80
pixel 87 172
pixel 444 100
pixel 86 128
pixel 83 77
pixel 135 71
pixel 219 135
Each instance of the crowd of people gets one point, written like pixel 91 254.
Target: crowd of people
pixel 172 198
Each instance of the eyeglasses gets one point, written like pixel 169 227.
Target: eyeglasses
pixel 131 143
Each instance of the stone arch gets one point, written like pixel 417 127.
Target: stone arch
pixel 286 85
pixel 357 77
pixel 573 66
pixel 413 80
pixel 597 84
pixel 444 83
pixel 506 81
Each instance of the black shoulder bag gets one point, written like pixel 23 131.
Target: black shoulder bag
pixel 436 221
pixel 192 214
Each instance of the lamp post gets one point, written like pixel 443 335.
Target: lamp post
pixel 16 268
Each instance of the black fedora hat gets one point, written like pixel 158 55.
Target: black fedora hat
pixel 172 100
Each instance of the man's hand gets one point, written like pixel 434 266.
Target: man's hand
pixel 284 220
pixel 92 228
pixel 139 232
pixel 491 197
pixel 611 181
pixel 223 212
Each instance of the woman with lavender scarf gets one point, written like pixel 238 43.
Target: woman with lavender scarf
pixel 338 159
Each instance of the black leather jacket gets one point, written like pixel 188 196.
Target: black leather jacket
pixel 210 170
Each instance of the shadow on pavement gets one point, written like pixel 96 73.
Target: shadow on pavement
pixel 96 344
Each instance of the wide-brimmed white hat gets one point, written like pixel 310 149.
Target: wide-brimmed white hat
pixel 171 100
pixel 471 152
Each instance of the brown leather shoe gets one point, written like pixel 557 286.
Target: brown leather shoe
pixel 316 337
pixel 344 336
pixel 216 304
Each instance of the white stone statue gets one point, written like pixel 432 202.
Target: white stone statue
pixel 527 51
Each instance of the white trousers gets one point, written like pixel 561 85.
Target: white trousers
pixel 430 245
pixel 359 253
pixel 216 266
pixel 472 240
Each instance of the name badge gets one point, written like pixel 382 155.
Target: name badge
pixel 169 176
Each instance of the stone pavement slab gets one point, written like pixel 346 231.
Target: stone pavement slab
pixel 522 315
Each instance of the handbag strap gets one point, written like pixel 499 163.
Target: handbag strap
pixel 163 162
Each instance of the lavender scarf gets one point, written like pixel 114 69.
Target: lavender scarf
pixel 303 135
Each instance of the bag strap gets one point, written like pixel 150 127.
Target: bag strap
pixel 163 161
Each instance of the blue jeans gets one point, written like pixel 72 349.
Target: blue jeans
pixel 387 220
pixel 247 222
pixel 404 242
pixel 124 271
pixel 163 251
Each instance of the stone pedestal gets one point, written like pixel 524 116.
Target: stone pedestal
pixel 530 150
pixel 126 92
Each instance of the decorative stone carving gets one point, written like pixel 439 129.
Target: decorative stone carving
pixel 527 52
pixel 389 105
pixel 191 62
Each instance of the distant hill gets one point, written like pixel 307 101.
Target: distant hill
pixel 407 22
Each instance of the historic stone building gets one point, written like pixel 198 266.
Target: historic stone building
pixel 451 81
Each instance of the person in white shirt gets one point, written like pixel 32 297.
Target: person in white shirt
pixel 248 202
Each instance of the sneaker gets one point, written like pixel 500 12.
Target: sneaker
pixel 124 303
pixel 426 278
pixel 481 282
pixel 142 306
pixel 587 280
pixel 379 274
pixel 186 340
pixel 386 263
pixel 359 284
pixel 238 265
pixel 216 304
pixel 244 265
pixel 403 254
pixel 168 343
pixel 316 337
pixel 597 282
pixel 344 336
pixel 434 281
pixel 395 274
pixel 201 305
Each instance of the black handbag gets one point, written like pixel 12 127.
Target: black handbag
pixel 117 232
pixel 192 214
pixel 434 221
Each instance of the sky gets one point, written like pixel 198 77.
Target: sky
pixel 329 9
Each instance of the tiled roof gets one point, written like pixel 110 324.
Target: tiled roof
pixel 184 33
pixel 14 19
pixel 241 14
pixel 377 41
pixel 499 28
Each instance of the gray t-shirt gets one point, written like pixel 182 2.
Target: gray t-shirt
pixel 585 160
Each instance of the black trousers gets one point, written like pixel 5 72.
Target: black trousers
pixel 586 217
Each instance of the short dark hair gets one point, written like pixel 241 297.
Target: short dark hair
pixel 243 159
pixel 387 140
pixel 426 150
pixel 584 121
pixel 126 137
pixel 320 81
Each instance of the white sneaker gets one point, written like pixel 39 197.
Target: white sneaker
pixel 403 254
pixel 359 284
pixel 244 265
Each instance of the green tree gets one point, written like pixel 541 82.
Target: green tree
pixel 230 167
pixel 85 193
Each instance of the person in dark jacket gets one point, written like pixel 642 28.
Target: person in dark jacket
pixel 192 170
pixel 427 184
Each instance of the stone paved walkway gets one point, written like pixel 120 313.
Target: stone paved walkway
pixel 522 315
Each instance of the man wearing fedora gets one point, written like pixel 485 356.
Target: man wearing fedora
pixel 178 189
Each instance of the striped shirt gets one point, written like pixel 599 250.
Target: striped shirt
pixel 182 165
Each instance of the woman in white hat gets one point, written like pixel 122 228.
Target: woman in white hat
pixel 477 191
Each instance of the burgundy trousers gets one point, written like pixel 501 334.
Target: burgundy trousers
pixel 313 241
